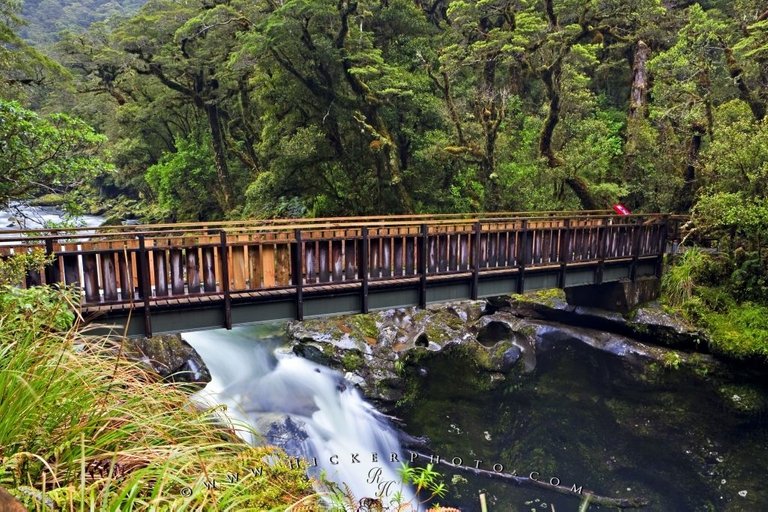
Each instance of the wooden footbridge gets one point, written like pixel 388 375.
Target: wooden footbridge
pixel 176 277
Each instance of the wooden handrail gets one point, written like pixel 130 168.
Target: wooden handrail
pixel 417 218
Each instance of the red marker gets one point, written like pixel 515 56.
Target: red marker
pixel 621 209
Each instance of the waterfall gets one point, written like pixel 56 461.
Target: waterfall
pixel 331 426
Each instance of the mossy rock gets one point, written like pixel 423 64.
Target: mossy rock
pixel 48 200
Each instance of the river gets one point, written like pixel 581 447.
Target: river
pixel 35 217
pixel 582 418
pixel 308 409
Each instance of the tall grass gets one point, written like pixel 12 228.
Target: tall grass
pixel 82 430
pixel 679 281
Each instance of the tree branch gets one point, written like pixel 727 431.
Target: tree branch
pixel 522 481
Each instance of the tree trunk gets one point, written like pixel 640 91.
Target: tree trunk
pixel 551 77
pixel 581 188
pixel 685 201
pixel 374 123
pixel 745 93
pixel 639 96
pixel 636 116
pixel 220 157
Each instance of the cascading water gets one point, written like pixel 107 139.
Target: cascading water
pixel 336 431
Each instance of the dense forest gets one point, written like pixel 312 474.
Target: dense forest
pixel 315 107
pixel 47 19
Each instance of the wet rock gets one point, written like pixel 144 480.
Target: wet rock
pixel 169 356
pixel 312 353
pixel 375 348
pixel 649 323
pixel 493 332
pixel 284 431
pixel 510 357
pixel 467 312
pixel 379 350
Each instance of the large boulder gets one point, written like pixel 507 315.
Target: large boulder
pixel 372 349
pixel 378 351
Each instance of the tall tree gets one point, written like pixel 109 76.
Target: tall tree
pixel 40 155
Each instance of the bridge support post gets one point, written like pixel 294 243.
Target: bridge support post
pixel 602 242
pixel 223 256
pixel 423 266
pixel 363 269
pixel 145 288
pixel 476 262
pixel 636 231
pixel 662 246
pixel 565 251
pixel 522 257
pixel 297 271
pixel 621 296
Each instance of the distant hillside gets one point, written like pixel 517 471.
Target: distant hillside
pixel 47 18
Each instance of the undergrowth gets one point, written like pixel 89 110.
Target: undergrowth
pixel 715 293
pixel 81 428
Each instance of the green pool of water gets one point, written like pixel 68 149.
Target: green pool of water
pixel 683 441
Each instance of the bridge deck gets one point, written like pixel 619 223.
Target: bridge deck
pixel 151 270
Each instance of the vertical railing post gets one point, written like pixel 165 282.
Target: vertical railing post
pixel 363 270
pixel 565 253
pixel 523 257
pixel 297 269
pixel 223 256
pixel 475 259
pixel 636 232
pixel 662 247
pixel 51 270
pixel 602 242
pixel 145 287
pixel 423 266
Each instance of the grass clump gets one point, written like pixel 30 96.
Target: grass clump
pixel 81 428
pixel 709 291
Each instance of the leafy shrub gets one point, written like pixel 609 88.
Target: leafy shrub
pixel 13 269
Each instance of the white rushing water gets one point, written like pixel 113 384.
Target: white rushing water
pixel 347 439
pixel 36 217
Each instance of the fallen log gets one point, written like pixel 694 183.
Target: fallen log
pixel 594 499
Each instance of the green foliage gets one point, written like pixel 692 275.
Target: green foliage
pixel 680 280
pixel 40 154
pixel 426 480
pixel 88 430
pixel 715 294
pixel 13 269
pixel 741 331
pixel 671 360
pixel 317 107
pixel 21 64
pixel 184 181
pixel 45 20
pixel 36 308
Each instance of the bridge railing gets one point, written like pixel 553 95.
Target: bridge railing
pixel 120 268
